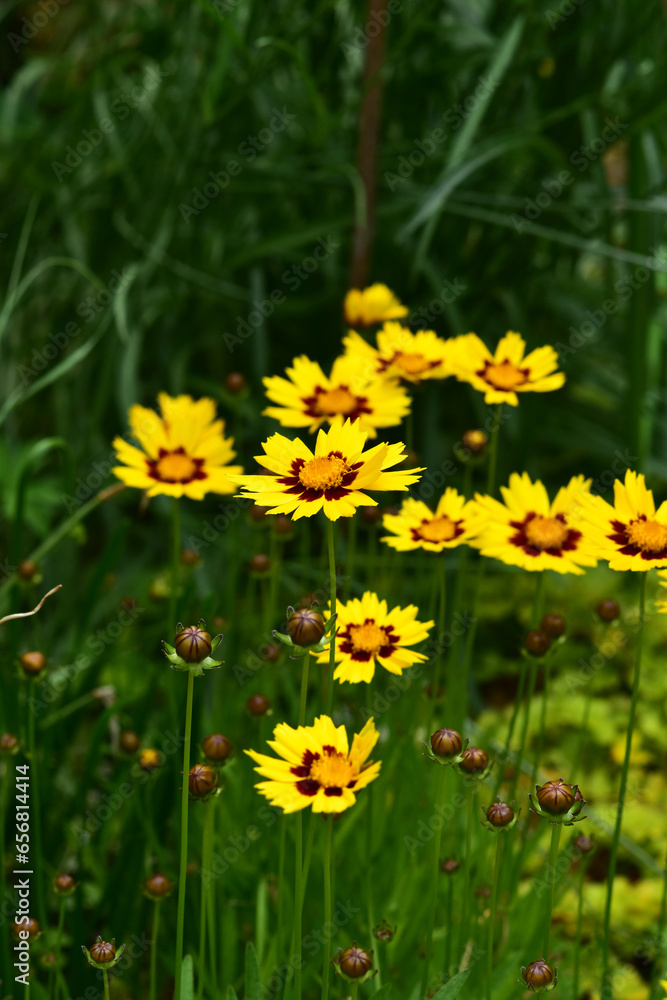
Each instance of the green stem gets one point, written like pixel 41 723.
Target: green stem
pixel 175 564
pixel 59 946
pixel 281 886
pixel 551 878
pixel 36 806
pixel 442 786
pixel 543 720
pixel 370 854
pixel 180 918
pixel 493 452
pixel 304 689
pixel 532 678
pixel 606 990
pixel 156 928
pixel 465 908
pixel 331 544
pixel 492 915
pixel 351 554
pixel 206 853
pixel 577 940
pixel 467 480
pixel 583 734
pixel 327 904
pixel 507 753
pixel 298 900
pixel 106 984
pixel 442 609
pixel 450 925
pixel 355 991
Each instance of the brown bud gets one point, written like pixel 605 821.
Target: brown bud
pixel 260 563
pixel 555 797
pixel 129 741
pixel 33 663
pixel 450 866
pixel 258 704
pixel 305 627
pixel 475 441
pixel 355 962
pixel 32 927
pixel 553 625
pixel 193 644
pixel 149 759
pixel 128 603
pixel 282 524
pixel 446 743
pixel 27 569
pixel 270 652
pixel 483 892
pixel 538 974
pixel 189 557
pixel 384 931
pixel 216 747
pixel 201 780
pixel 371 515
pixel 257 512
pixel 235 382
pixel 608 610
pixel 64 884
pixel 158 886
pixel 8 743
pixel 103 952
pixel 537 642
pixel 474 760
pixel 584 844
pixel 499 814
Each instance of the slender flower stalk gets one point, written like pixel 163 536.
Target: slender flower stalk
pixel 59 943
pixel 180 918
pixel 154 937
pixel 175 559
pixel 205 908
pixel 304 689
pixel 442 610
pixel 606 987
pixel 492 915
pixel 106 984
pixel 471 793
pixel 553 857
pixel 331 547
pixel 328 861
pixel 442 788
pixel 298 899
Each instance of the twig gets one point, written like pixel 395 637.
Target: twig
pixel 26 614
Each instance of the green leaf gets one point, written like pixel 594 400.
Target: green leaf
pixel 253 983
pixel 187 979
pixel 452 989
pixel 231 994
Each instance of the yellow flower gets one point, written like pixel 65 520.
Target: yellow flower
pixel 331 478
pixel 373 305
pixel 401 353
pixel 631 534
pixel 317 769
pixel 367 633
pixel 416 526
pixel 185 452
pixel 501 375
pixel 526 530
pixel 308 398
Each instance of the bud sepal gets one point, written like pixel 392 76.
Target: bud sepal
pixel 197 646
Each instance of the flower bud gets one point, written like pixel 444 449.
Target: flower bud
pixel 258 513
pixel 189 557
pixel 64 884
pixel 282 524
pixel 499 814
pixel 258 704
pixel 270 652
pixel 384 931
pixel 355 962
pixel 158 886
pixel 32 927
pixel 202 779
pixel 216 747
pixel 33 663
pixel 553 625
pixel 537 642
pixel 235 382
pixel 9 743
pixel 305 627
pixel 371 515
pixel 450 866
pixel 474 760
pixel 103 952
pixel 584 844
pixel 193 644
pixel 260 564
pixel 446 743
pixel 149 759
pixel 475 441
pixel 555 797
pixel 27 569
pixel 538 974
pixel 608 610
pixel 129 741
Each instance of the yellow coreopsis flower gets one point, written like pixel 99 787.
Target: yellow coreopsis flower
pixel 315 766
pixel 529 531
pixel 631 534
pixel 308 398
pixel 510 370
pixel 330 479
pixel 185 452
pixel 367 633
pixel 416 526
pixel 373 305
pixel 400 353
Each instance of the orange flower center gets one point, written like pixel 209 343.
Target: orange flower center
pixel 441 529
pixel 649 536
pixel 334 401
pixel 323 472
pixel 333 770
pixel 368 637
pixel 504 376
pixel 413 364
pixel 546 532
pixel 175 467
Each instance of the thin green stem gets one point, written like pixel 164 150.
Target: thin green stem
pixel 577 939
pixel 492 915
pixel 442 609
pixel 493 452
pixel 465 908
pixel 355 991
pixel 298 900
pixel 281 885
pixel 331 545
pixel 156 928
pixel 551 878
pixel 507 753
pixel 543 720
pixel 304 689
pixel 175 563
pixel 449 930
pixel 370 853
pixel 328 860
pixel 538 600
pixel 351 555
pixel 606 990
pixel 180 918
pixel 532 678
pixel 440 799
pixel 59 946
pixel 206 855
pixel 106 984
